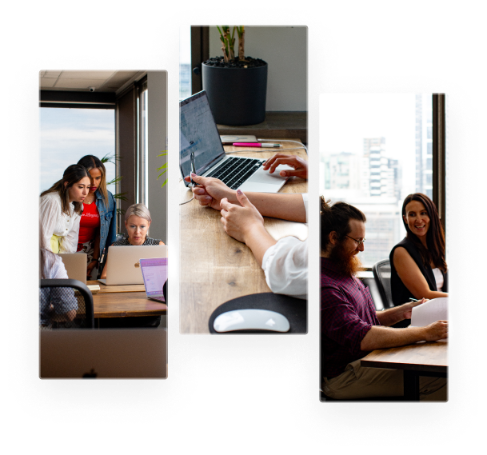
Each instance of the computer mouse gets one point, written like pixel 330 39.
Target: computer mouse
pixel 251 319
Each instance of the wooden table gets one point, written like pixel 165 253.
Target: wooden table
pixel 215 268
pixel 419 359
pixel 124 301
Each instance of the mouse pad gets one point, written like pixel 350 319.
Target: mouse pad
pixel 294 309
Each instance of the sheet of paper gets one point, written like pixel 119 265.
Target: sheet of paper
pixel 431 311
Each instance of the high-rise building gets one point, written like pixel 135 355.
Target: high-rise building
pixel 424 145
pixel 380 176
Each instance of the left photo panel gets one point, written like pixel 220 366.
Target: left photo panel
pixel 103 262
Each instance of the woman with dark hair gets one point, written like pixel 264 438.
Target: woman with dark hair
pixel 98 222
pixel 60 210
pixel 418 266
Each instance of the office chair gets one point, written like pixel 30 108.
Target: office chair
pixel 57 296
pixel 382 276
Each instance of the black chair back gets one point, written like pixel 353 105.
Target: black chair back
pixel 382 275
pixel 59 297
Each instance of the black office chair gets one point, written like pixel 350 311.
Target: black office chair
pixel 382 276
pixel 58 296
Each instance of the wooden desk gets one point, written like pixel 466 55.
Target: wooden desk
pixel 419 359
pixel 216 268
pixel 124 301
pixel 116 289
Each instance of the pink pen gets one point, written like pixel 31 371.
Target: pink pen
pixel 256 144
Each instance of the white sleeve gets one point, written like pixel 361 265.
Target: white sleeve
pixel 69 243
pixel 49 212
pixel 305 201
pixel 285 266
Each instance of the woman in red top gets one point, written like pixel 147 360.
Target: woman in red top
pixel 98 222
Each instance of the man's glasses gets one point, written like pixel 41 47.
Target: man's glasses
pixel 358 241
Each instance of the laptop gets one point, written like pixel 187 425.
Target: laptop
pixel 154 273
pixel 103 353
pixel 123 263
pixel 199 137
pixel 76 265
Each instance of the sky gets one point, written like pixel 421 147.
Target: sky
pixel 346 119
pixel 184 45
pixel 66 135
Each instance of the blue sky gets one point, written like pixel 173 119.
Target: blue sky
pixel 69 134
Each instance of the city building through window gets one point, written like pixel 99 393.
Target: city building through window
pixel 375 150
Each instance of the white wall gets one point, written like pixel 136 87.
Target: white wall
pixel 157 142
pixel 285 50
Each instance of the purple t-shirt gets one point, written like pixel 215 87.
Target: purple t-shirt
pixel 347 314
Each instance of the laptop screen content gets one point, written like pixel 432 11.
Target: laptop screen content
pixel 198 134
pixel 154 272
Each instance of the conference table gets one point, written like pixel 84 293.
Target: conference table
pixel 124 301
pixel 415 360
pixel 215 268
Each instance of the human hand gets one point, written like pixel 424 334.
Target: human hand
pixel 436 331
pixel 240 221
pixel 300 166
pixel 408 307
pixel 210 191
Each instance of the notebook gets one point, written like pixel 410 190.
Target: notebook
pixel 76 265
pixel 154 273
pixel 123 263
pixel 198 136
pixel 103 353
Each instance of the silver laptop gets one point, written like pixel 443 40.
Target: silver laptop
pixel 199 138
pixel 76 265
pixel 154 272
pixel 109 353
pixel 123 263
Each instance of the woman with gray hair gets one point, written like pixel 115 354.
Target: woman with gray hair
pixel 137 223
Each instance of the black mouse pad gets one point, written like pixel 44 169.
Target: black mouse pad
pixel 294 309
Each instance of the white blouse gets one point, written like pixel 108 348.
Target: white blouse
pixel 285 265
pixel 438 278
pixel 52 220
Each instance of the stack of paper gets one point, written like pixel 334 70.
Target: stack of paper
pixel 431 311
pixel 94 288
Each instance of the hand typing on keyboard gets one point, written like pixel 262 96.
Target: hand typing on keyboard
pixel 300 166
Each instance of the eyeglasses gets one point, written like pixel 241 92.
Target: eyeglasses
pixel 358 241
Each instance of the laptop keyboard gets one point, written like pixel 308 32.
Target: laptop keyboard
pixel 235 171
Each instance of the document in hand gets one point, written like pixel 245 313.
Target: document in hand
pixel 430 311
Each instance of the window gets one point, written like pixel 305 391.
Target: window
pixel 184 63
pixel 68 134
pixel 142 161
pixel 383 141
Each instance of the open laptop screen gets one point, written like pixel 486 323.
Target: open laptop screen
pixel 154 272
pixel 198 133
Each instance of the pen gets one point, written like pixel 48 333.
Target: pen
pixel 413 300
pixel 256 144
pixel 193 169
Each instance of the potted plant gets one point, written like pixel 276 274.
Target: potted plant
pixel 236 85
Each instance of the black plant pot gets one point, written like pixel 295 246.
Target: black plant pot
pixel 236 95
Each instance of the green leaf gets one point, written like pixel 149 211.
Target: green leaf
pixel 162 168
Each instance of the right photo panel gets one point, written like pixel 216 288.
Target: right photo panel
pixel 383 257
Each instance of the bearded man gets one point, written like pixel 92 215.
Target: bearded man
pixel 350 325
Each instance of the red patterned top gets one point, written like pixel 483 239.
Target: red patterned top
pixel 90 222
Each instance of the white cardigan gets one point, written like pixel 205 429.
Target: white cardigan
pixel 53 221
pixel 285 265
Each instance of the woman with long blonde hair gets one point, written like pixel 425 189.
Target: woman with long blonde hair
pixel 98 221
